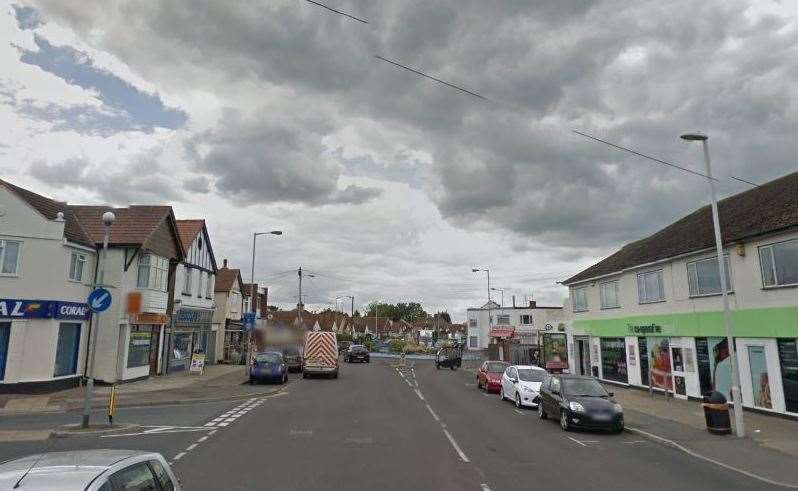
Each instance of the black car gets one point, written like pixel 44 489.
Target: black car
pixel 292 358
pixel 579 402
pixel 449 357
pixel 343 346
pixel 357 353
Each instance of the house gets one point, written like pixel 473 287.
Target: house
pixel 47 268
pixel 229 315
pixel 656 304
pixel 526 325
pixel 192 328
pixel 144 249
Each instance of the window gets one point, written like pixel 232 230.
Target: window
pixel 526 319
pixel 579 299
pixel 472 322
pixel 66 351
pixel 200 285
pixel 162 476
pixel 473 342
pixel 503 319
pixel 9 257
pixel 779 263
pixel 613 359
pixel 703 276
pixel 143 280
pixel 649 287
pixel 137 477
pixel 76 263
pixel 209 286
pixel 609 295
pixel 187 274
pixel 138 348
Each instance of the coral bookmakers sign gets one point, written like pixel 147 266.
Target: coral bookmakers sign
pixel 42 309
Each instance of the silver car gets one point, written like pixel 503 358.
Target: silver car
pixel 89 470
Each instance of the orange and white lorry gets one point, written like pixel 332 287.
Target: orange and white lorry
pixel 321 354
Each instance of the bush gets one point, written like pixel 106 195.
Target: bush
pixel 397 346
pixel 369 344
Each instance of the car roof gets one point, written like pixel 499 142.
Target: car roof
pixel 529 367
pixel 62 470
pixel 270 352
pixel 572 375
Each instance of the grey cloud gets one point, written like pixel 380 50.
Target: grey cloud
pixel 355 195
pixel 27 17
pixel 198 184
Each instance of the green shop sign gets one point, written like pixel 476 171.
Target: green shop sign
pixel 748 323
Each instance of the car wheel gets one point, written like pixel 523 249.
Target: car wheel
pixel 368 360
pixel 542 412
pixel 564 424
pixel 453 367
pixel 518 400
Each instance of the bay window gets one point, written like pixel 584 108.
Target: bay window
pixel 779 263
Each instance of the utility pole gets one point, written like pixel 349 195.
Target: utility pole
pixel 299 305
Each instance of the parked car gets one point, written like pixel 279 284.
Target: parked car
pixel 448 357
pixel 91 470
pixel 268 366
pixel 321 354
pixel 357 352
pixel 579 402
pixel 292 358
pixel 521 384
pixel 489 375
pixel 343 346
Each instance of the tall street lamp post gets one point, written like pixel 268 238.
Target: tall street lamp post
pixel 487 271
pixel 499 290
pixel 727 318
pixel 252 291
pixel 108 220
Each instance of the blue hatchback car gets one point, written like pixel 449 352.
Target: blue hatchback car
pixel 268 366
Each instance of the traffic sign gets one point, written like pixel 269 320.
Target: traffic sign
pixel 99 300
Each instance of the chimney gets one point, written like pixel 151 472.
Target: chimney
pixel 513 301
pixel 224 263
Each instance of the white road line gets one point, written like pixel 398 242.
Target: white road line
pixel 487 395
pixel 212 432
pixel 202 439
pixel 456 446
pixel 418 393
pixel 577 441
pixel 635 441
pixel 191 447
pixel 484 487
pixel 210 424
pixel 429 408
pixel 223 424
pixel 179 456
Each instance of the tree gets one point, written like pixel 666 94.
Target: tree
pixel 444 316
pixel 409 312
pixel 357 313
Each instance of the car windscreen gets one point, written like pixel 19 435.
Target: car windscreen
pixel 584 387
pixel 268 358
pixel 496 367
pixel 530 375
pixel 358 349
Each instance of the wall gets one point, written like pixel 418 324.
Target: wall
pixel 540 317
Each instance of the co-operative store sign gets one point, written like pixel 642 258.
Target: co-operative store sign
pixel 42 309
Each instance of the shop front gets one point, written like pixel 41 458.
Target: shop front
pixel 234 343
pixel 191 332
pixel 144 345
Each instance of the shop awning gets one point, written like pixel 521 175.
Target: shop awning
pixel 502 331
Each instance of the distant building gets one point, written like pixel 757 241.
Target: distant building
pixel 229 314
pixel 492 323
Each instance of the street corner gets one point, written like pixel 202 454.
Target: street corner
pixel 75 430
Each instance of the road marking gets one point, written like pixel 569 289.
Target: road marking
pixel 301 432
pixel 429 408
pixel 212 432
pixel 522 413
pixel 577 441
pixel 456 446
pixel 418 393
pixel 484 487
pixel 191 447
pixel 360 441
pixel 487 395
pixel 202 439
pixel 179 456
pixel 635 441
pixel 223 424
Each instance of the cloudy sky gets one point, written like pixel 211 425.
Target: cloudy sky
pixel 275 114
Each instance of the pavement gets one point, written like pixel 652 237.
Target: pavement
pixel 391 427
pixel 218 382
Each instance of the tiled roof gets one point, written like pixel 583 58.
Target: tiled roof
pixel 188 230
pixel 225 277
pixel 133 225
pixel 769 208
pixel 49 208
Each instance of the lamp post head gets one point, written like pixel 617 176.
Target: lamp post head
pixel 692 137
pixel 276 232
pixel 476 270
pixel 108 218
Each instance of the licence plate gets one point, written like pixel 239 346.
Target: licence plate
pixel 602 417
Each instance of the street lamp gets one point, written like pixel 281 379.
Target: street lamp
pixel 727 319
pixel 487 271
pixel 252 291
pixel 499 290
pixel 108 219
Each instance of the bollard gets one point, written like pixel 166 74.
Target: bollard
pixel 111 405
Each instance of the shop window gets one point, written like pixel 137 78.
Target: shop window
pixel 5 334
pixel 609 295
pixel 77 263
pixel 788 357
pixel 138 349
pixel 650 287
pixel 613 359
pixel 779 263
pixel 703 276
pixel 760 381
pixel 579 299
pixel 9 257
pixel 66 351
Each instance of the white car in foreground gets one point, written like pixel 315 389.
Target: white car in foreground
pixel 521 384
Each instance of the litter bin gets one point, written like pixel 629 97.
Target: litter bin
pixel 716 413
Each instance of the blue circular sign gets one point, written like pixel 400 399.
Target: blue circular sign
pixel 99 300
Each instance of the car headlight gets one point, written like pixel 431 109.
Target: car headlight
pixel 617 407
pixel 576 407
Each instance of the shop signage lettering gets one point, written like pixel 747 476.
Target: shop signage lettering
pixel 43 309
pixel 644 329
pixel 194 316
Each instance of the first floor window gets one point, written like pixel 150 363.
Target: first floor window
pixel 650 287
pixel 138 347
pixel 526 319
pixel 143 280
pixel 779 263
pixel 503 319
pixel 473 342
pixel 472 322
pixel 609 295
pixel 703 276
pixel 66 351
pixel 209 286
pixel 76 263
pixel 187 280
pixel 579 299
pixel 9 257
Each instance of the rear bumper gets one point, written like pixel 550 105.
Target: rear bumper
pixel 358 358
pixel 266 376
pixel 294 366
pixel 318 369
pixel 493 386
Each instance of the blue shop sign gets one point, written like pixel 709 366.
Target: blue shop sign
pixel 194 316
pixel 42 309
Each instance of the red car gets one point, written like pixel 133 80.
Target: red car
pixel 489 375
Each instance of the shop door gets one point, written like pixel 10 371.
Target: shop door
pixel 583 352
pixel 5 333
pixel 155 342
pixel 642 349
pixel 760 382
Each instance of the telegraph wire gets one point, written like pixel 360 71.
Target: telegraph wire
pixel 337 11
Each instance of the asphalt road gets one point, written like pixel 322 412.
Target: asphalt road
pixel 377 427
